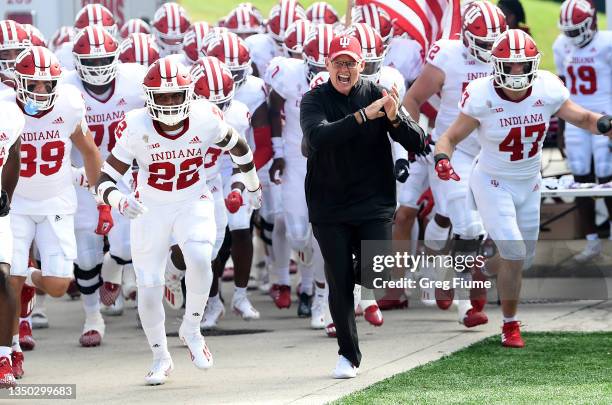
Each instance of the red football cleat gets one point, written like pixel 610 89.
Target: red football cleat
pixel 27 300
pixel 444 298
pixel 511 335
pixel 17 359
pixel 393 299
pixel 330 330
pixel 26 341
pixel 473 317
pixel 373 315
pixel 283 298
pixel 109 293
pixel 90 338
pixel 478 296
pixel 73 290
pixel 7 378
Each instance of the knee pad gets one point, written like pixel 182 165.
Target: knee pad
pixel 435 236
pixel 89 250
pixel 112 268
pixel 88 281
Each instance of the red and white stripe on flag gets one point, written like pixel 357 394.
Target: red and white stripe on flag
pixel 425 21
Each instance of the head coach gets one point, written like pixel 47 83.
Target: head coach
pixel 350 182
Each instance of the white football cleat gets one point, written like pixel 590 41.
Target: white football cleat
pixel 317 319
pixel 591 251
pixel 344 369
pixel 201 357
pixel 113 310
pixel 39 319
pixel 160 370
pixel 212 313
pixel 243 307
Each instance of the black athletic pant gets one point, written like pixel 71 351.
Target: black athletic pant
pixel 338 242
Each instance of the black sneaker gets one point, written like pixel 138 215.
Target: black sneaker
pixel 305 302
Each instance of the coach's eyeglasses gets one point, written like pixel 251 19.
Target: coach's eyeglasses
pixel 349 64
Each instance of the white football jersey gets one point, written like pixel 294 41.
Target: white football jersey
pixel 252 93
pixel 238 117
pixel 45 181
pixel 12 122
pixel 460 68
pixel 406 56
pixel 171 167
pixel 390 76
pixel 6 92
pixel 64 55
pixel 511 133
pixel 103 116
pixel 587 70
pixel 262 49
pixel 288 77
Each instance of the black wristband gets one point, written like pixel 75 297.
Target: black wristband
pixel 364 117
pixel 396 120
pixel 440 156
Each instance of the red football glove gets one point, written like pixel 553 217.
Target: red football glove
pixel 428 203
pixel 445 170
pixel 105 220
pixel 233 202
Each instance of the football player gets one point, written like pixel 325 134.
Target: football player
pixel 167 138
pixel 45 202
pixel 13 39
pixel 450 66
pixel 170 23
pixel 510 112
pixel 110 89
pixel 583 56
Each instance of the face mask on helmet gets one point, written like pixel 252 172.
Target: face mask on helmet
pixel 33 98
pixel 313 69
pixel 7 60
pixel 579 34
pixel 96 70
pixel 371 70
pixel 171 114
pixel 479 47
pixel 507 76
pixel 240 74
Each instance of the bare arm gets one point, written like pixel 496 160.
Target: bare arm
pixel 429 82
pixel 580 117
pixel 458 131
pixel 10 172
pixel 91 155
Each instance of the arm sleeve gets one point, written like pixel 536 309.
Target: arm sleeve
pixel 317 130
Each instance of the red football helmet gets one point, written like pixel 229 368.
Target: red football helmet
pixel 139 48
pixel 34 65
pixel 295 35
pixel 170 24
pixel 193 44
pixel 168 76
pixel 372 49
pixel 511 48
pixel 63 35
pixel 212 35
pixel 134 26
pixel 230 49
pixel 96 54
pixel 36 37
pixel 376 17
pixel 95 14
pixel 578 21
pixel 482 24
pixel 245 19
pixel 316 48
pixel 321 12
pixel 281 16
pixel 213 81
pixel 13 39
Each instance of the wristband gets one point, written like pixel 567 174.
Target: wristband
pixel 277 147
pixel 244 159
pixel 251 181
pixel 603 123
pixel 364 117
pixel 440 156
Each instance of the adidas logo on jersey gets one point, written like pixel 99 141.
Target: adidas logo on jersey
pixel 495 183
pixel 58 218
pixel 3 136
pixel 194 140
pixel 538 103
pixel 121 102
pixel 59 120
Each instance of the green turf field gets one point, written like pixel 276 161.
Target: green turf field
pixel 552 368
pixel 542 18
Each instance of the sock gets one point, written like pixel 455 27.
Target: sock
pixel 306 278
pixel 198 279
pixel 28 280
pixel 194 310
pixel 15 346
pixel 510 319
pixel 321 292
pixel 284 277
pixel 239 292
pixel 5 351
pixel 592 236
pixel 214 299
pixel 152 318
pixel 91 303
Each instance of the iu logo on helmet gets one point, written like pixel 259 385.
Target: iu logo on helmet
pixel 344 42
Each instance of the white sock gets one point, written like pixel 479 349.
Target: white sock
pixel 592 236
pixel 198 279
pixel 28 280
pixel 306 278
pixel 5 351
pixel 510 319
pixel 239 292
pixel 194 310
pixel 15 346
pixel 214 299
pixel 91 303
pixel 40 302
pixel 152 318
